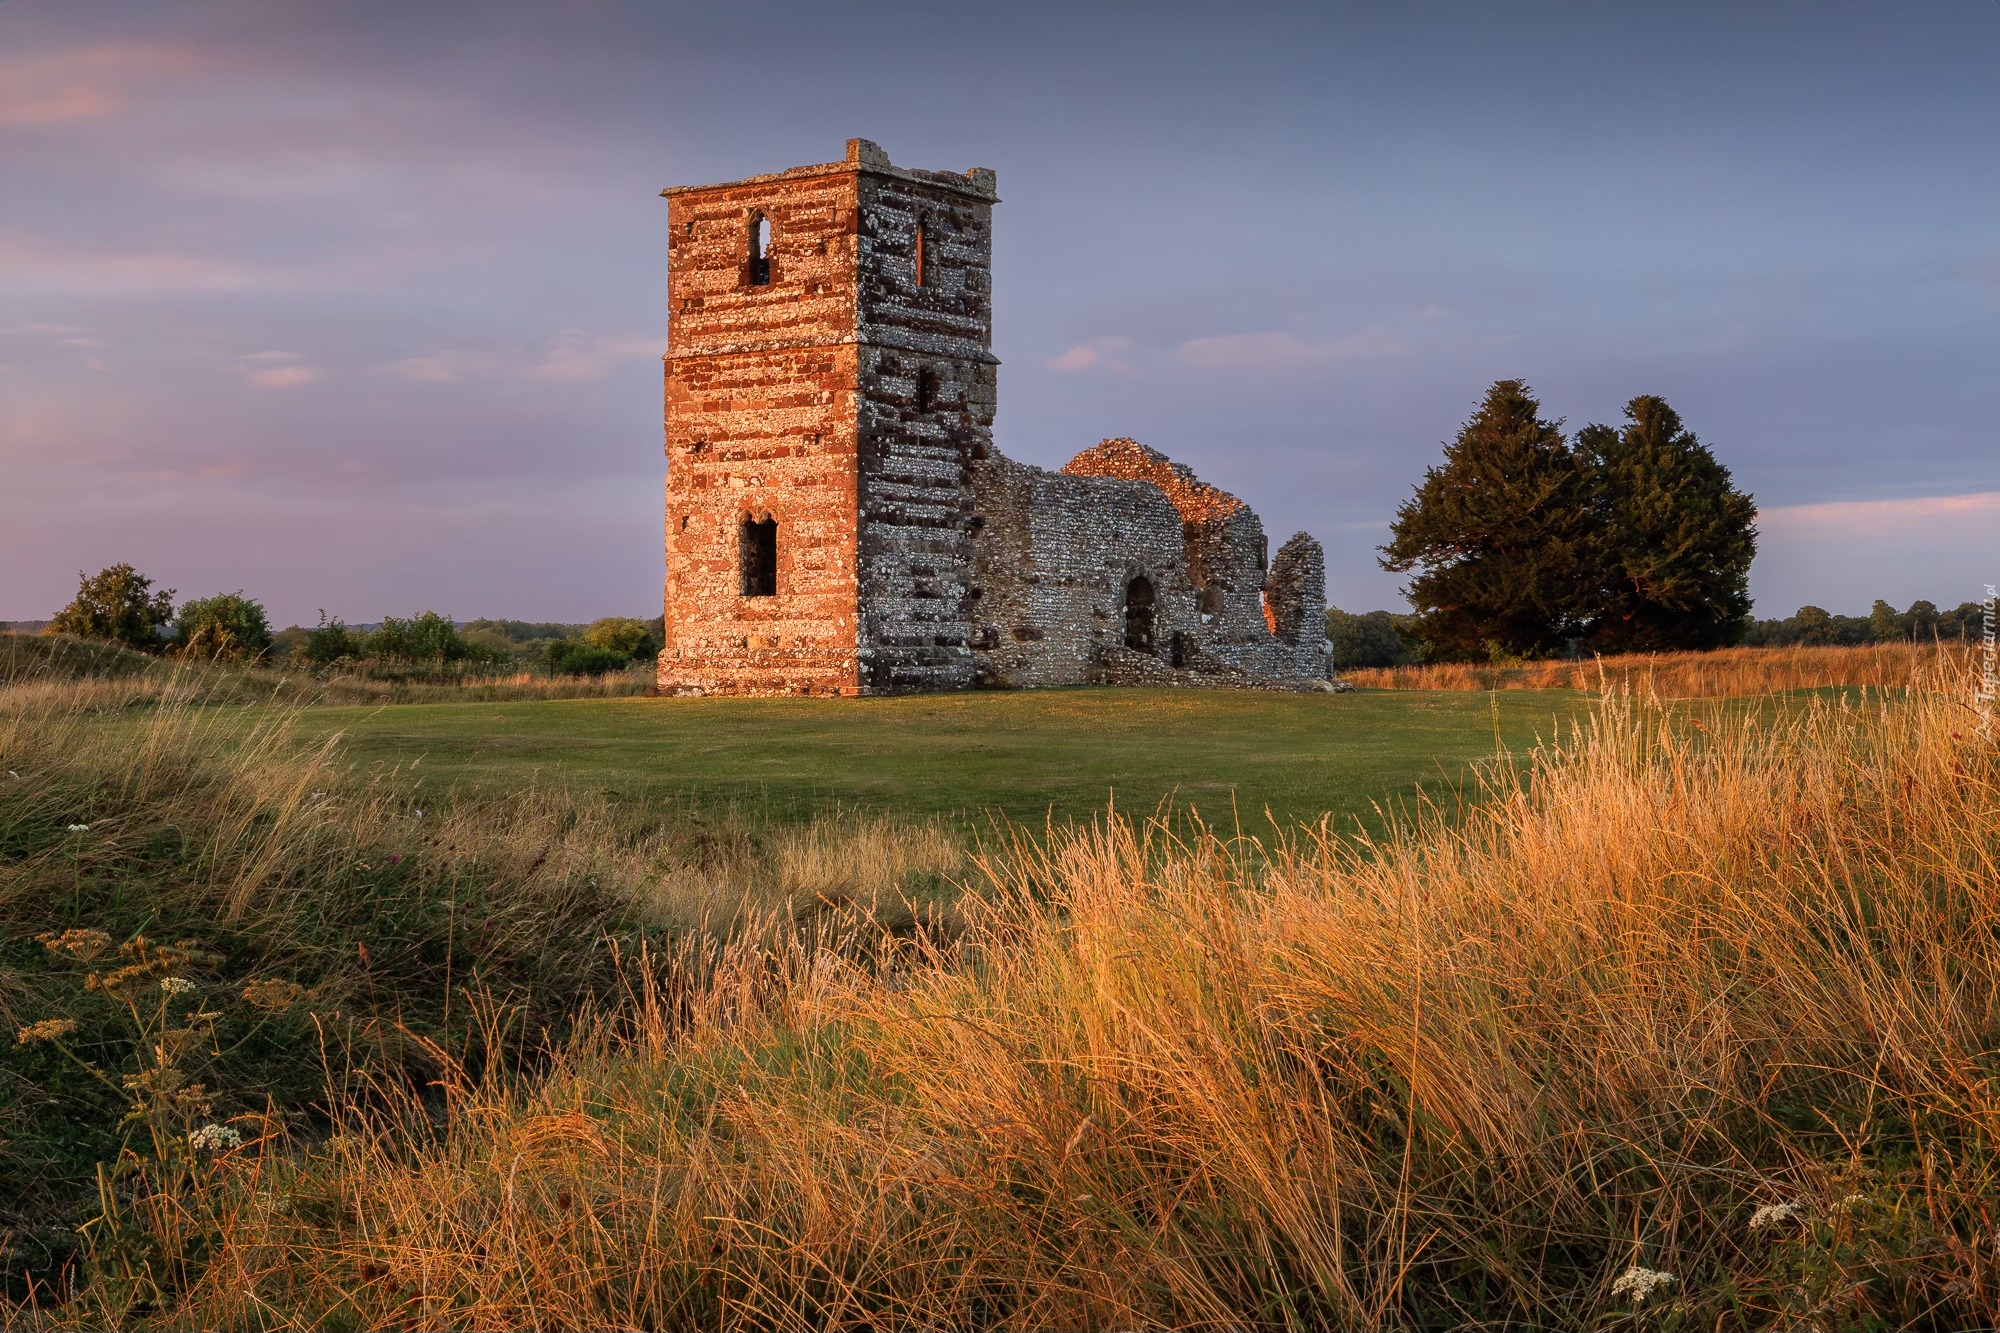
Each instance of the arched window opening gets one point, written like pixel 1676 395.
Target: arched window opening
pixel 757 556
pixel 927 382
pixel 1139 614
pixel 923 225
pixel 760 250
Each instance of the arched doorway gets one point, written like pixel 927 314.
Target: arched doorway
pixel 1139 614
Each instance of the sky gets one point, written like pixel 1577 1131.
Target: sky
pixel 358 307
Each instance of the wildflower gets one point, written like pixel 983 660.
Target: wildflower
pixel 177 985
pixel 78 943
pixel 12 774
pixel 1776 1212
pixel 79 828
pixel 214 1138
pixel 273 996
pixel 1851 1202
pixel 49 1029
pixel 420 814
pixel 394 859
pixel 1639 1283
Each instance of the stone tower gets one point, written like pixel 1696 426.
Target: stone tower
pixel 830 387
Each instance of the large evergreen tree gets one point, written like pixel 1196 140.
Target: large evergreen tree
pixel 1496 535
pixel 1672 538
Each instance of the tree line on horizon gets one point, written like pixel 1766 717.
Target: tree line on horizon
pixel 120 605
pixel 1392 638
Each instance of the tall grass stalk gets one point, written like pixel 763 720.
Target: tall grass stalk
pixel 1680 972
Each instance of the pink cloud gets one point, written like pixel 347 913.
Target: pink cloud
pixel 571 357
pixel 283 377
pixel 34 263
pixel 1097 354
pixel 446 367
pixel 1281 350
pixel 74 103
pixel 82 84
pixel 274 370
pixel 1885 517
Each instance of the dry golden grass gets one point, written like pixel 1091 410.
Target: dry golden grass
pixel 1677 969
pixel 1727 672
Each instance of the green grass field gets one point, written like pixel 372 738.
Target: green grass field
pixel 1027 755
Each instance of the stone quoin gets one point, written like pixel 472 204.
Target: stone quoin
pixel 838 520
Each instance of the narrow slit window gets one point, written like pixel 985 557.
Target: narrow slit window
pixel 758 557
pixel 760 250
pixel 923 225
pixel 926 388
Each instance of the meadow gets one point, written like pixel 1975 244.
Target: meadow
pixel 523 1013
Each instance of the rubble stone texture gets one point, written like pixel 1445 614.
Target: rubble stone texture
pixel 838 521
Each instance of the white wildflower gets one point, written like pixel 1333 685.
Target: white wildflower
pixel 1851 1202
pixel 1639 1283
pixel 79 828
pixel 420 814
pixel 177 985
pixel 214 1138
pixel 1772 1213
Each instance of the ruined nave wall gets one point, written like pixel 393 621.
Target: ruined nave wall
pixel 1054 555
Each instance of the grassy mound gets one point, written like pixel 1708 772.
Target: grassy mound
pixel 1695 1021
pixel 62 657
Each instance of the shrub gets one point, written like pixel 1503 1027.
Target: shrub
pixel 621 634
pixel 569 657
pixel 116 605
pixel 330 642
pixel 429 637
pixel 1371 639
pixel 226 625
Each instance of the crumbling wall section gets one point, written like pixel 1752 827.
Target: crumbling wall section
pixel 1254 611
pixel 1056 557
pixel 1296 596
pixel 1226 549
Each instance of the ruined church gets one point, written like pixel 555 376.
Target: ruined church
pixel 838 521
